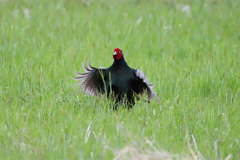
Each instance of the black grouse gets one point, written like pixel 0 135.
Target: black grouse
pixel 119 82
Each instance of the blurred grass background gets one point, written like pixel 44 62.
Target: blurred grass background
pixel 188 49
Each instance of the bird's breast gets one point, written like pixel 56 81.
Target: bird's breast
pixel 120 79
pixel 120 84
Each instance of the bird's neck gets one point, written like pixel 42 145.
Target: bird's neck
pixel 120 61
pixel 117 64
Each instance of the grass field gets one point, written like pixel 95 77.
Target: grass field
pixel 189 49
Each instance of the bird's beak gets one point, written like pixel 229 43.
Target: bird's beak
pixel 115 53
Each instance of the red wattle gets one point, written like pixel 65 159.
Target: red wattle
pixel 119 56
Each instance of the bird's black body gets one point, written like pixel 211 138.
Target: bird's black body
pixel 119 82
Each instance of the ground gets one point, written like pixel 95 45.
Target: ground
pixel 188 49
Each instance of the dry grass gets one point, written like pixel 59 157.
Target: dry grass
pixel 132 153
pixel 135 150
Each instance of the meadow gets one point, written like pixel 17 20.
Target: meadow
pixel 189 49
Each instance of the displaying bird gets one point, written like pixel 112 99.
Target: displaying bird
pixel 119 82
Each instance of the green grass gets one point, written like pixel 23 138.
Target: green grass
pixel 192 58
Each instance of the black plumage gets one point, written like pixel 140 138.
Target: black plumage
pixel 119 82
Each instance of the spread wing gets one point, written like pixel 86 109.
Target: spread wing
pixel 144 85
pixel 91 82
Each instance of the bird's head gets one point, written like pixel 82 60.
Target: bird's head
pixel 117 54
